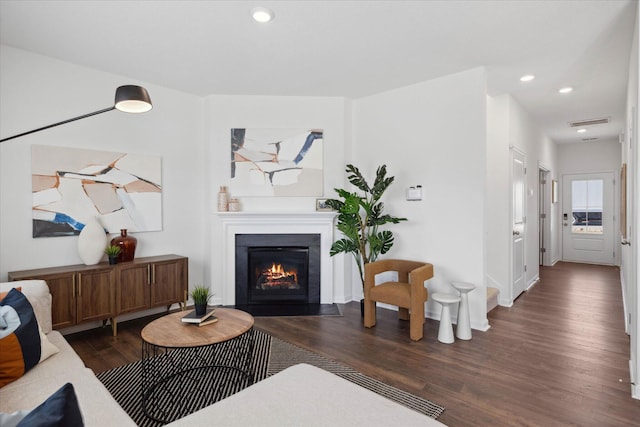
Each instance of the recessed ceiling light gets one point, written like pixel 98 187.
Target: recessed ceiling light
pixel 527 78
pixel 582 130
pixel 262 14
pixel 565 89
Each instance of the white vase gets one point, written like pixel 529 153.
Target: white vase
pixel 92 242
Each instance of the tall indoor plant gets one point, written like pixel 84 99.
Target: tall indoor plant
pixel 360 217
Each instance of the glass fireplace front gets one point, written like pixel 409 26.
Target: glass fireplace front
pixel 277 269
pixel 278 274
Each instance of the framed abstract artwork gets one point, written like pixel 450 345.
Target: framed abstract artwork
pixel 71 186
pixel 276 162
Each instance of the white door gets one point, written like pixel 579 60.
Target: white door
pixel 588 218
pixel 518 201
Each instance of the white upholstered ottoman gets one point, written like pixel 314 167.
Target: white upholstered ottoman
pixel 304 395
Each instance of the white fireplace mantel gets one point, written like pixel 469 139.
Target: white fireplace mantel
pixel 233 223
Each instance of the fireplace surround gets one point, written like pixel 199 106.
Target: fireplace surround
pixel 276 223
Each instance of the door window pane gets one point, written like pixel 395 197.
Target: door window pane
pixel 518 193
pixel 586 206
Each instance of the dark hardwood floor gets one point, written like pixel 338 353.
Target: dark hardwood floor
pixel 558 357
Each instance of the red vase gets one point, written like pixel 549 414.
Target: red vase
pixel 127 246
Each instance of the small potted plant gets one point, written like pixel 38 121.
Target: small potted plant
pixel 112 253
pixel 200 296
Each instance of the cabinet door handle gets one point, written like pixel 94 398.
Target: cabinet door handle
pixel 79 285
pixel 148 274
pixel 73 286
pixel 153 270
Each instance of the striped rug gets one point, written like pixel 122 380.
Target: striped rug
pixel 271 355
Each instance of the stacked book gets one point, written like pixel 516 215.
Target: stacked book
pixel 206 319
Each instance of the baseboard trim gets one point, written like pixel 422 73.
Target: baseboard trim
pixel 505 303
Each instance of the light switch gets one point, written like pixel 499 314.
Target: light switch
pixel 414 193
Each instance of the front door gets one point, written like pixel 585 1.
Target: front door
pixel 588 218
pixel 518 201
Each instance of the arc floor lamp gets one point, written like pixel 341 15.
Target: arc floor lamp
pixel 129 99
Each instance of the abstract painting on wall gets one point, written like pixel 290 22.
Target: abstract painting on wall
pixel 71 186
pixel 276 162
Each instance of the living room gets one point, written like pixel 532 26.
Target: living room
pixel 443 133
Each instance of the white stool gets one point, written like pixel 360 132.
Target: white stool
pixel 445 332
pixel 463 328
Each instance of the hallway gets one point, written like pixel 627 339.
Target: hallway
pixel 569 333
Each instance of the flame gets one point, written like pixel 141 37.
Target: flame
pixel 277 272
pixel 277 269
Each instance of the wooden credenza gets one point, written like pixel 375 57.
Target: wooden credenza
pixel 84 293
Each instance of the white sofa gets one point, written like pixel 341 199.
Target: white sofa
pixel 300 395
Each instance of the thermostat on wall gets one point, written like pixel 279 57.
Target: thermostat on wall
pixel 414 193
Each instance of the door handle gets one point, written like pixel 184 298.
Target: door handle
pixel 516 233
pixel 625 242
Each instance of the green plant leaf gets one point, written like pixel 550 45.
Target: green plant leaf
pixel 112 250
pixel 334 204
pixel 343 245
pixel 381 183
pixel 356 179
pixel 200 294
pixel 386 241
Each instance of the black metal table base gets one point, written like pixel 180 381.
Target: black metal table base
pixel 179 381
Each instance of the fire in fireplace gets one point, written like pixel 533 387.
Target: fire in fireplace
pixel 277 268
pixel 278 273
pixel 276 277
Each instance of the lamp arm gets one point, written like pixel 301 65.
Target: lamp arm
pixel 59 123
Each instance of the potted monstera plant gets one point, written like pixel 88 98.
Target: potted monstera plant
pixel 361 218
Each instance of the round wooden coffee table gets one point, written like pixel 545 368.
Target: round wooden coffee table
pixel 186 367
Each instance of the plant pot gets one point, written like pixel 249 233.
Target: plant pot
pixel 113 260
pixel 201 309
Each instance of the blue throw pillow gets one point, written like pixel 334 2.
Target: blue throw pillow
pixel 19 339
pixel 59 410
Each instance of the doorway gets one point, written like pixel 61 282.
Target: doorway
pixel 588 230
pixel 518 222
pixel 544 203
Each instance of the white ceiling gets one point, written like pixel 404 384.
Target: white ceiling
pixel 350 48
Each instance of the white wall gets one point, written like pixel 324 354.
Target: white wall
pixel 37 91
pixel 599 156
pixel 509 125
pixel 526 136
pixel 630 255
pixel 227 112
pixel 547 159
pixel 498 208
pixel 433 134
